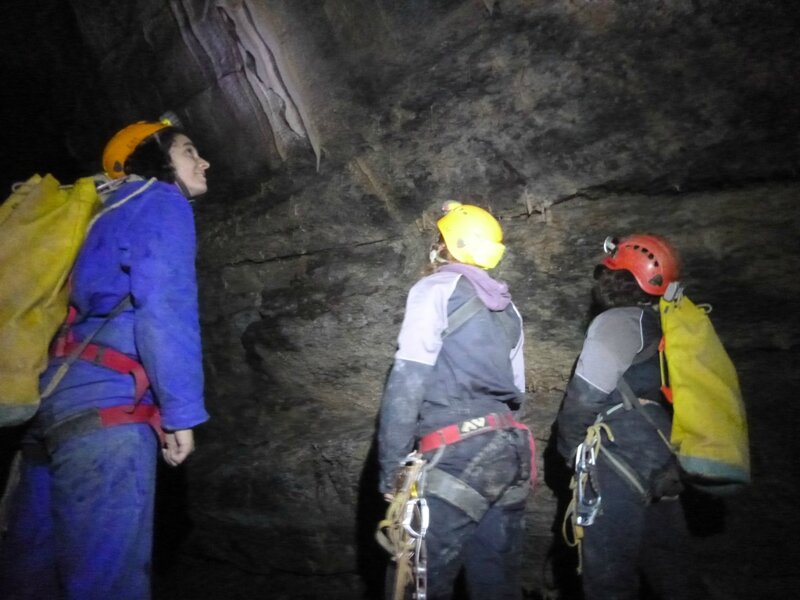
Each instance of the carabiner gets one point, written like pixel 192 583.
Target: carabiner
pixel 419 508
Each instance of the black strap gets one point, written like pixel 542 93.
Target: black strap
pixel 646 352
pixel 456 492
pixel 627 473
pixel 462 314
pixel 80 423
pixel 629 399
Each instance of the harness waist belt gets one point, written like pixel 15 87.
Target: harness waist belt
pixel 92 419
pixel 109 358
pixel 467 429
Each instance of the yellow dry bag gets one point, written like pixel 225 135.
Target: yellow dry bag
pixel 709 427
pixel 42 227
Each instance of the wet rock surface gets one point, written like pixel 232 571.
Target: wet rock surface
pixel 285 472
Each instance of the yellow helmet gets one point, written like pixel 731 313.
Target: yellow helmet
pixel 121 146
pixel 472 235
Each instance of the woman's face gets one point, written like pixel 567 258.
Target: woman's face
pixel 190 168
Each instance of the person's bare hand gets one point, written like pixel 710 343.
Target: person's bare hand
pixel 177 446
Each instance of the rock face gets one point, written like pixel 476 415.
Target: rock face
pixel 336 130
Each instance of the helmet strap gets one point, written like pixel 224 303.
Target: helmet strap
pixel 436 257
pixel 183 188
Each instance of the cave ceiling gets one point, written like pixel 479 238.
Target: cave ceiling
pixel 335 130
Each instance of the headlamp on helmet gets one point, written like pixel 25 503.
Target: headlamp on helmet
pixel 651 260
pixel 124 143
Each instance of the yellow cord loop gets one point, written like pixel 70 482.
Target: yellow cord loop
pixel 592 445
pixel 396 533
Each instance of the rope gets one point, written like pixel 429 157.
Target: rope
pixel 402 532
pixel 582 477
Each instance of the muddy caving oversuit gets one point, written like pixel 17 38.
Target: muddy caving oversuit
pixel 444 382
pixel 81 523
pixel 637 532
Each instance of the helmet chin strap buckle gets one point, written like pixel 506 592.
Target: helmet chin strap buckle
pixel 435 255
pixel 674 291
pixel 610 245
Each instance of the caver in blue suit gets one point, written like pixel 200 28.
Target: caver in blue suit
pixel 81 525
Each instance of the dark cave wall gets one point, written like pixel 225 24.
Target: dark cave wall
pixel 319 339
pixel 571 122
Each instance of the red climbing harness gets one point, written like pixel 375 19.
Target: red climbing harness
pixel 66 344
pixel 477 426
pixel 109 358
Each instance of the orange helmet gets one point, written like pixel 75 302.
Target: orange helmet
pixel 650 259
pixel 124 142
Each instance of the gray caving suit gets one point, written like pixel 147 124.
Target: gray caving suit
pixel 635 534
pixel 439 379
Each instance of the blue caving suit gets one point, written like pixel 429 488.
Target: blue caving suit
pixel 634 534
pixel 439 380
pixel 81 526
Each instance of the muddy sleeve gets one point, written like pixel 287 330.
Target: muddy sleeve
pixel 164 291
pixel 400 405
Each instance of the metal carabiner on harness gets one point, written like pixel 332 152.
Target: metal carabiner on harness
pixel 416 512
pixel 402 532
pixel 416 507
pixel 588 497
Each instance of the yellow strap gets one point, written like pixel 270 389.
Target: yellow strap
pixel 594 440
pixel 577 530
pixel 392 535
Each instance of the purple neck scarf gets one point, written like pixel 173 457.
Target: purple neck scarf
pixel 494 294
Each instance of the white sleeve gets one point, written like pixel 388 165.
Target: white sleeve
pixel 613 340
pixel 425 319
pixel 517 357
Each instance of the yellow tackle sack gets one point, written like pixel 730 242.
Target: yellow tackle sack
pixel 42 227
pixel 709 426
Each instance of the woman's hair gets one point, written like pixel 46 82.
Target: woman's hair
pixel 617 287
pixel 151 157
pixel 431 266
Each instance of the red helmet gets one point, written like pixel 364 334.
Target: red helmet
pixel 649 258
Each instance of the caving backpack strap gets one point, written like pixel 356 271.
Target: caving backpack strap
pixel 632 402
pixel 465 312
pixel 462 314
pixel 629 398
pixel 65 346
